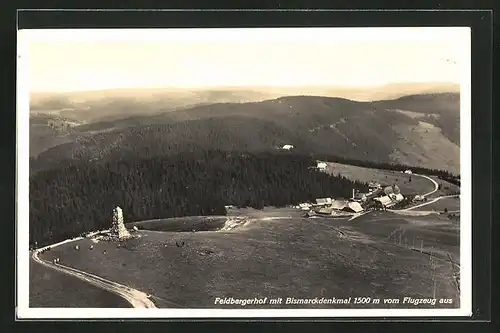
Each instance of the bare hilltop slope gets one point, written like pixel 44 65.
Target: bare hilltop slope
pixel 276 253
pixel 440 110
pixel 418 130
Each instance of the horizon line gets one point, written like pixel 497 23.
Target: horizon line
pixel 346 86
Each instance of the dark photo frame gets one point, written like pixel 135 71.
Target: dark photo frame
pixel 480 23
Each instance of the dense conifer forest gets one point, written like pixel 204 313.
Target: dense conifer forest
pixel 70 200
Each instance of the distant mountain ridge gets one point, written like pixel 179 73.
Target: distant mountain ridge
pixel 416 130
pixel 119 103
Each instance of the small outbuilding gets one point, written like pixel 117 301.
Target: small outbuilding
pixel 388 190
pixel 399 197
pixel 323 201
pixel 305 206
pixel 321 165
pixel 338 204
pixel 384 200
pixel 353 207
pixel 418 198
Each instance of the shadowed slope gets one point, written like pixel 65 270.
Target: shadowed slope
pixel 364 131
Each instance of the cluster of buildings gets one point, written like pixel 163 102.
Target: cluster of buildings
pixel 331 207
pixel 385 197
pixel 376 197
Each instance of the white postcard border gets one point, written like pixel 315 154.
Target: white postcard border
pixel 22 192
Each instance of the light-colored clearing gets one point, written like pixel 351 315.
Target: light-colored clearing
pixel 425 145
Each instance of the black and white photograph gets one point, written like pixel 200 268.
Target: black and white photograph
pixel 251 172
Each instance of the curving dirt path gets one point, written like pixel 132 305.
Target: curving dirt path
pixel 136 298
pixel 436 185
pixel 429 202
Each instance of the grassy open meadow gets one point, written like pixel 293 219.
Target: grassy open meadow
pixel 50 289
pixel 417 185
pixel 452 204
pixel 277 253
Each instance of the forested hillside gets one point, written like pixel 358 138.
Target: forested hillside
pixel 232 133
pixel 79 197
pixel 196 161
pixel 355 130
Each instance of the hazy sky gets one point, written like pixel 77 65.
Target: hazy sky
pixel 71 60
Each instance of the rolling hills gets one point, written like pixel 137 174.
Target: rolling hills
pixel 119 103
pixel 419 130
pixel 112 104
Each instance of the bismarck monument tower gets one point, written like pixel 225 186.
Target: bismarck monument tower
pixel 118 227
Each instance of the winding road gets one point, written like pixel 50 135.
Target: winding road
pixel 436 188
pixel 136 298
pixel 436 185
pixel 430 202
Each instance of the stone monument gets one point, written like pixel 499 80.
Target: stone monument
pixel 118 227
